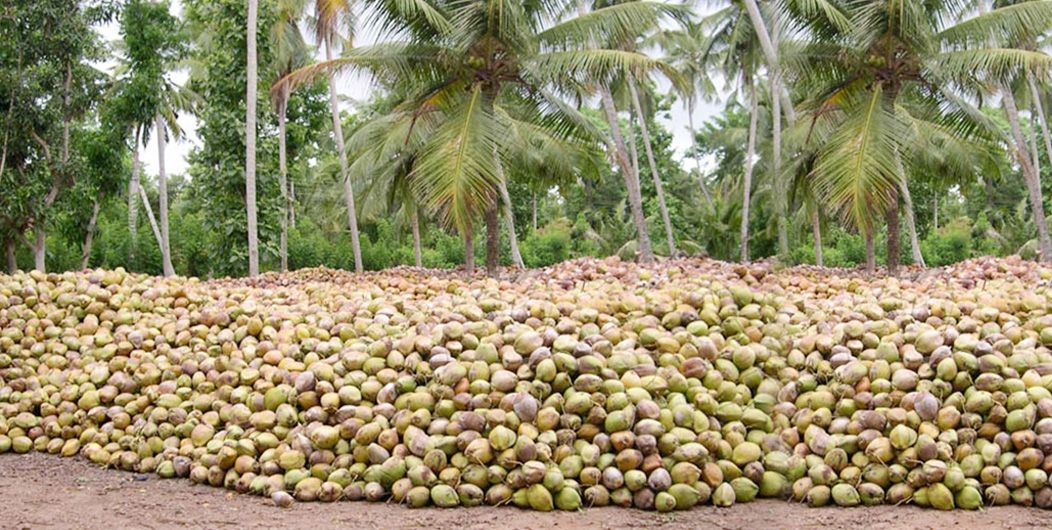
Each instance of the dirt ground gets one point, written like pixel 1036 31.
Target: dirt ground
pixel 42 491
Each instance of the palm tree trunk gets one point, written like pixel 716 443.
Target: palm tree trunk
pixel 871 253
pixel 534 220
pixel 697 154
pixel 469 250
pixel 162 190
pixel 292 203
pixel 754 113
pixel 630 137
pixel 894 236
pixel 816 233
pixel 39 248
pixel 1035 154
pixel 911 225
pixel 1035 94
pixel 414 222
pixel 1029 174
pixel 509 216
pixel 9 255
pixel 935 212
pixel 133 200
pixel 149 215
pixel 781 196
pixel 620 153
pixel 649 149
pixel 492 240
pixel 770 53
pixel 250 141
pixel 348 190
pixel 283 172
pixel 89 237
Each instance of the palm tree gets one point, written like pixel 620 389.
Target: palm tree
pixel 250 140
pixel 330 18
pixel 478 84
pixel 290 52
pixel 874 115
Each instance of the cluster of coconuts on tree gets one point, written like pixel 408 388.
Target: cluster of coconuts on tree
pixel 591 383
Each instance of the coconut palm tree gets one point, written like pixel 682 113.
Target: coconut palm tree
pixel 250 139
pixel 884 94
pixel 481 82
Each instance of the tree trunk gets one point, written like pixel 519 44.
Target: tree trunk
pixel 770 53
pixel 534 211
pixel 935 212
pixel 649 149
pixel 1033 185
pixel 414 222
pixel 911 225
pixel 1035 154
pixel 620 153
pixel 39 249
pixel 894 236
pixel 633 150
pixel 162 189
pixel 89 237
pixel 1035 94
pixel 9 255
pixel 781 194
pixel 149 215
pixel 871 254
pixel 509 216
pixel 697 154
pixel 250 142
pixel 348 190
pixel 469 250
pixel 283 172
pixel 133 200
pixel 492 240
pixel 754 112
pixel 816 233
pixel 292 203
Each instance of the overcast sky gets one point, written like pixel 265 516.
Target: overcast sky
pixel 359 88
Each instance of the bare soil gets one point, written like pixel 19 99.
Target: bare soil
pixel 43 491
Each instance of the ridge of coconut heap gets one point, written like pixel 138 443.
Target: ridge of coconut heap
pixel 592 382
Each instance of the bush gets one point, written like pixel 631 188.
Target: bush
pixel 949 244
pixel 548 245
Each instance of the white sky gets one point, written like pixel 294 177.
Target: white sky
pixel 358 88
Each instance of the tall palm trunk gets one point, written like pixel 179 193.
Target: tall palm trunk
pixel 697 153
pixel 816 233
pixel 9 256
pixel 1033 185
pixel 935 212
pixel 630 138
pixel 283 173
pixel 149 216
pixel 133 199
pixel 292 203
pixel 649 149
pixel 348 190
pixel 750 152
pixel 39 248
pixel 89 237
pixel 162 190
pixel 414 223
pixel 635 201
pixel 250 141
pixel 1035 155
pixel 781 195
pixel 770 52
pixel 509 216
pixel 894 236
pixel 534 216
pixel 469 250
pixel 911 225
pixel 492 239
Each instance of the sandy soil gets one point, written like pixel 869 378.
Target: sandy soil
pixel 42 491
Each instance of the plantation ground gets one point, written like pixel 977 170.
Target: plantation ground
pixel 44 491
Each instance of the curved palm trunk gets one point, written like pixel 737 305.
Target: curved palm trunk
pixel 39 249
pixel 133 200
pixel 492 240
pixel 1035 155
pixel 635 202
pixel 935 212
pixel 414 222
pixel 649 149
pixel 754 111
pixel 250 142
pixel 149 216
pixel 162 189
pixel 348 191
pixel 89 237
pixel 509 215
pixel 1033 185
pixel 816 233
pixel 770 53
pixel 283 172
pixel 469 250
pixel 630 138
pixel 871 253
pixel 911 225
pixel 534 219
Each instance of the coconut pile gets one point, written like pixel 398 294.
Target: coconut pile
pixel 588 383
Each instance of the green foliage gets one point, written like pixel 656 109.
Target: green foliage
pixel 547 246
pixel 949 244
